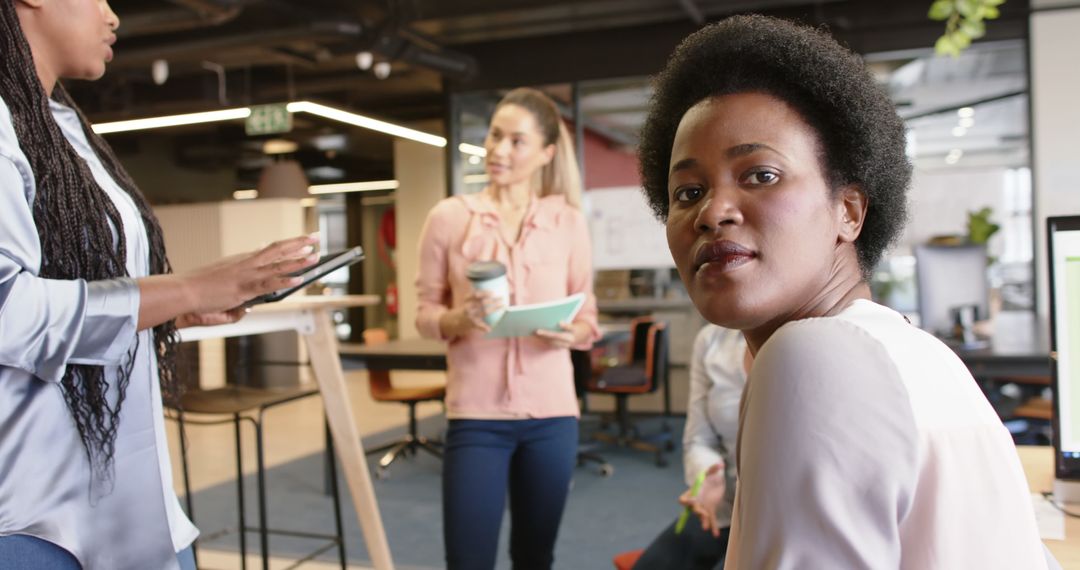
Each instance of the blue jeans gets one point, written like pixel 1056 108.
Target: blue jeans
pixel 533 460
pixel 27 552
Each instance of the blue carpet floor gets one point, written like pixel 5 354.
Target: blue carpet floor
pixel 604 515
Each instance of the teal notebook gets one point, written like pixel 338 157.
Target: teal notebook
pixel 525 320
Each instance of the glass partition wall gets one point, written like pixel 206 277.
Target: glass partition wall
pixel 968 141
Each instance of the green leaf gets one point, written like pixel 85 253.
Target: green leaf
pixel 979 226
pixel 945 46
pixel 941 9
pixel 961 40
pixel 967 7
pixel 973 29
pixel 992 3
pixel 990 13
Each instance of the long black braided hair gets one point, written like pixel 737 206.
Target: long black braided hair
pixel 73 217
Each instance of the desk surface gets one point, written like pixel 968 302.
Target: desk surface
pixel 1038 464
pixel 407 354
pixel 1020 346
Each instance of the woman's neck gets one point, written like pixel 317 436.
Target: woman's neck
pixel 843 287
pixel 514 196
pixel 46 74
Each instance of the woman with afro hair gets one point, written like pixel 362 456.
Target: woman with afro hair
pixel 88 315
pixel 778 167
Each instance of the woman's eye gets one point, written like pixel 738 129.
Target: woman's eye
pixel 688 193
pixel 761 178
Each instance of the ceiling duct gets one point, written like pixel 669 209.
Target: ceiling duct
pixel 187 15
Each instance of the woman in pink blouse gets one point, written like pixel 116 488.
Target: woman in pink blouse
pixel 511 402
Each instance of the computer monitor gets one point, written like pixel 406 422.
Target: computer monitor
pixel 1063 247
pixel 948 277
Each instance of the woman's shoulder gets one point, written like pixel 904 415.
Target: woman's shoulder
pixel 833 348
pixel 452 211
pixel 555 210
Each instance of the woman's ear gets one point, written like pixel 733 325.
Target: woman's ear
pixel 852 208
pixel 549 153
pixel 31 3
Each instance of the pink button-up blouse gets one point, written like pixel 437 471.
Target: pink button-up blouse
pixel 552 258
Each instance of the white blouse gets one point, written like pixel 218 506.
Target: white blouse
pixel 865 443
pixel 47 324
pixel 712 414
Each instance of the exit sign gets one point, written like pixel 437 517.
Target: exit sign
pixel 268 120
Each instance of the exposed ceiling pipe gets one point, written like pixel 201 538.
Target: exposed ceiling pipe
pixel 693 11
pixel 188 15
pixel 198 49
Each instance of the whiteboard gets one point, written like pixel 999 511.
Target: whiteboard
pixel 625 234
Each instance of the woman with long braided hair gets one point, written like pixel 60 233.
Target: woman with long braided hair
pixel 88 315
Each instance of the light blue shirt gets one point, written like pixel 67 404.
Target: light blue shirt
pixel 47 324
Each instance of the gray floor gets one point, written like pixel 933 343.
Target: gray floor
pixel 604 516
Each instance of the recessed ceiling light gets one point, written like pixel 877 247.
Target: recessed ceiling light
pixel 279 146
pixel 959 131
pixel 966 112
pixel 967 122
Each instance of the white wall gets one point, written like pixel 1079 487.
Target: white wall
pixel 1055 101
pixel 420 171
pixel 940 200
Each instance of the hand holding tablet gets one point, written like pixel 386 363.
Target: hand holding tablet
pixel 326 265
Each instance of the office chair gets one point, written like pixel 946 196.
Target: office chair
pixel 644 371
pixel 243 403
pixel 383 390
pixel 582 363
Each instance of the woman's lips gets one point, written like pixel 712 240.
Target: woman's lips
pixel 722 255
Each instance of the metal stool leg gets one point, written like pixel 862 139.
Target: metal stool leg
pixel 240 492
pixel 264 539
pixel 331 464
pixel 188 500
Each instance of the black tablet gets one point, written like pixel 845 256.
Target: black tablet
pixel 326 264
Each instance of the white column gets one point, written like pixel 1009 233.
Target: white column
pixel 1055 128
pixel 420 171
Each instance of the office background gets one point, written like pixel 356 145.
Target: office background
pixel 995 127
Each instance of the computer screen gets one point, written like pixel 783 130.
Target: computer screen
pixel 1063 247
pixel 948 277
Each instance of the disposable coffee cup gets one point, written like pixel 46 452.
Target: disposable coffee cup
pixel 490 276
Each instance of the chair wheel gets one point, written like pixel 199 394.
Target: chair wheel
pixel 669 445
pixel 607 469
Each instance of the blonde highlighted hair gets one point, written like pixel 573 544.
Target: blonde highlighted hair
pixel 561 175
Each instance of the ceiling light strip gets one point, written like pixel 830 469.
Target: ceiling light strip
pixel 472 149
pixel 369 186
pixel 365 122
pixel 172 120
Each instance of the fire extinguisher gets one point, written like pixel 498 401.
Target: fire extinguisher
pixel 392 299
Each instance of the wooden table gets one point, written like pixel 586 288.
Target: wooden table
pixel 1038 464
pixel 310 318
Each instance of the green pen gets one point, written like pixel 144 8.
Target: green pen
pixel 681 523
